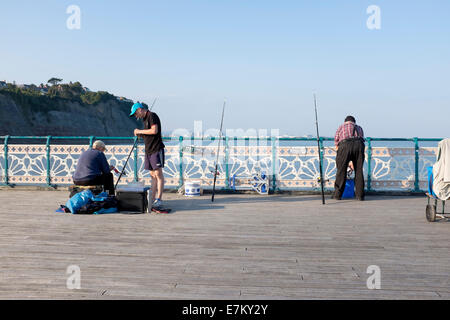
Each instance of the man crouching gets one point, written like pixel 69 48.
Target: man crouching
pixel 93 168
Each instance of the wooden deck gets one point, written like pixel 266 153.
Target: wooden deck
pixel 241 247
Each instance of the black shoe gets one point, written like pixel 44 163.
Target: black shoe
pixel 360 199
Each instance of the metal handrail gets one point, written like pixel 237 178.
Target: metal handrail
pixel 181 139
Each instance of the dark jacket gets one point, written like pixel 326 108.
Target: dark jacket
pixel 92 163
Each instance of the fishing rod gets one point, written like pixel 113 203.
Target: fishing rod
pixel 153 104
pixel 318 149
pixel 123 169
pixel 134 145
pixel 218 150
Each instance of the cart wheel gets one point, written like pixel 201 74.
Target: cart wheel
pixel 431 213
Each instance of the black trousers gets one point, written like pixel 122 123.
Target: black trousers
pixel 106 180
pixel 350 150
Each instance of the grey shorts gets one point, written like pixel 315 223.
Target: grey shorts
pixel 155 160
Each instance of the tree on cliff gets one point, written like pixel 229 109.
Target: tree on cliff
pixel 54 81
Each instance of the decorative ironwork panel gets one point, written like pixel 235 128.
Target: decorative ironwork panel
pixel 2 164
pixel 199 164
pixel 295 167
pixel 27 164
pixel 427 157
pixel 171 168
pixel 393 168
pixel 299 167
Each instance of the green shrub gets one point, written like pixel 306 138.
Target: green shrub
pixel 31 99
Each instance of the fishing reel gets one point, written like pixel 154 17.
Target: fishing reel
pixel 319 180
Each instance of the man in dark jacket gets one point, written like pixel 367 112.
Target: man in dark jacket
pixel 349 142
pixel 93 168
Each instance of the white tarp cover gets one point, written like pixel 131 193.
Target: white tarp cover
pixel 441 171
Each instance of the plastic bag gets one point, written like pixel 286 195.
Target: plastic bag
pixel 99 204
pixel 349 191
pixel 79 200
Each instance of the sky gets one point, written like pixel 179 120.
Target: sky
pixel 265 58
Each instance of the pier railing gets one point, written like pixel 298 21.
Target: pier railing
pixel 290 163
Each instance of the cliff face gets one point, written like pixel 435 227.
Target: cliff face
pixel 66 118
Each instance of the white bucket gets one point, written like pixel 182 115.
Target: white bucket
pixel 192 188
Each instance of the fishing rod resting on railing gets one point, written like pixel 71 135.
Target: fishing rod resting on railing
pixel 319 151
pixel 218 150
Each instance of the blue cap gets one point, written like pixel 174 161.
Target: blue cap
pixel 135 106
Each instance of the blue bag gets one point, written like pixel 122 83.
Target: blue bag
pixel 104 197
pixel 430 181
pixel 349 191
pixel 109 210
pixel 79 200
pixel 100 197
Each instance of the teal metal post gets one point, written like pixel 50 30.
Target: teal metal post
pixel 416 165
pixel 136 159
pixel 47 147
pixel 91 141
pixel 274 164
pixel 227 172
pixel 6 160
pixel 369 164
pixel 181 162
